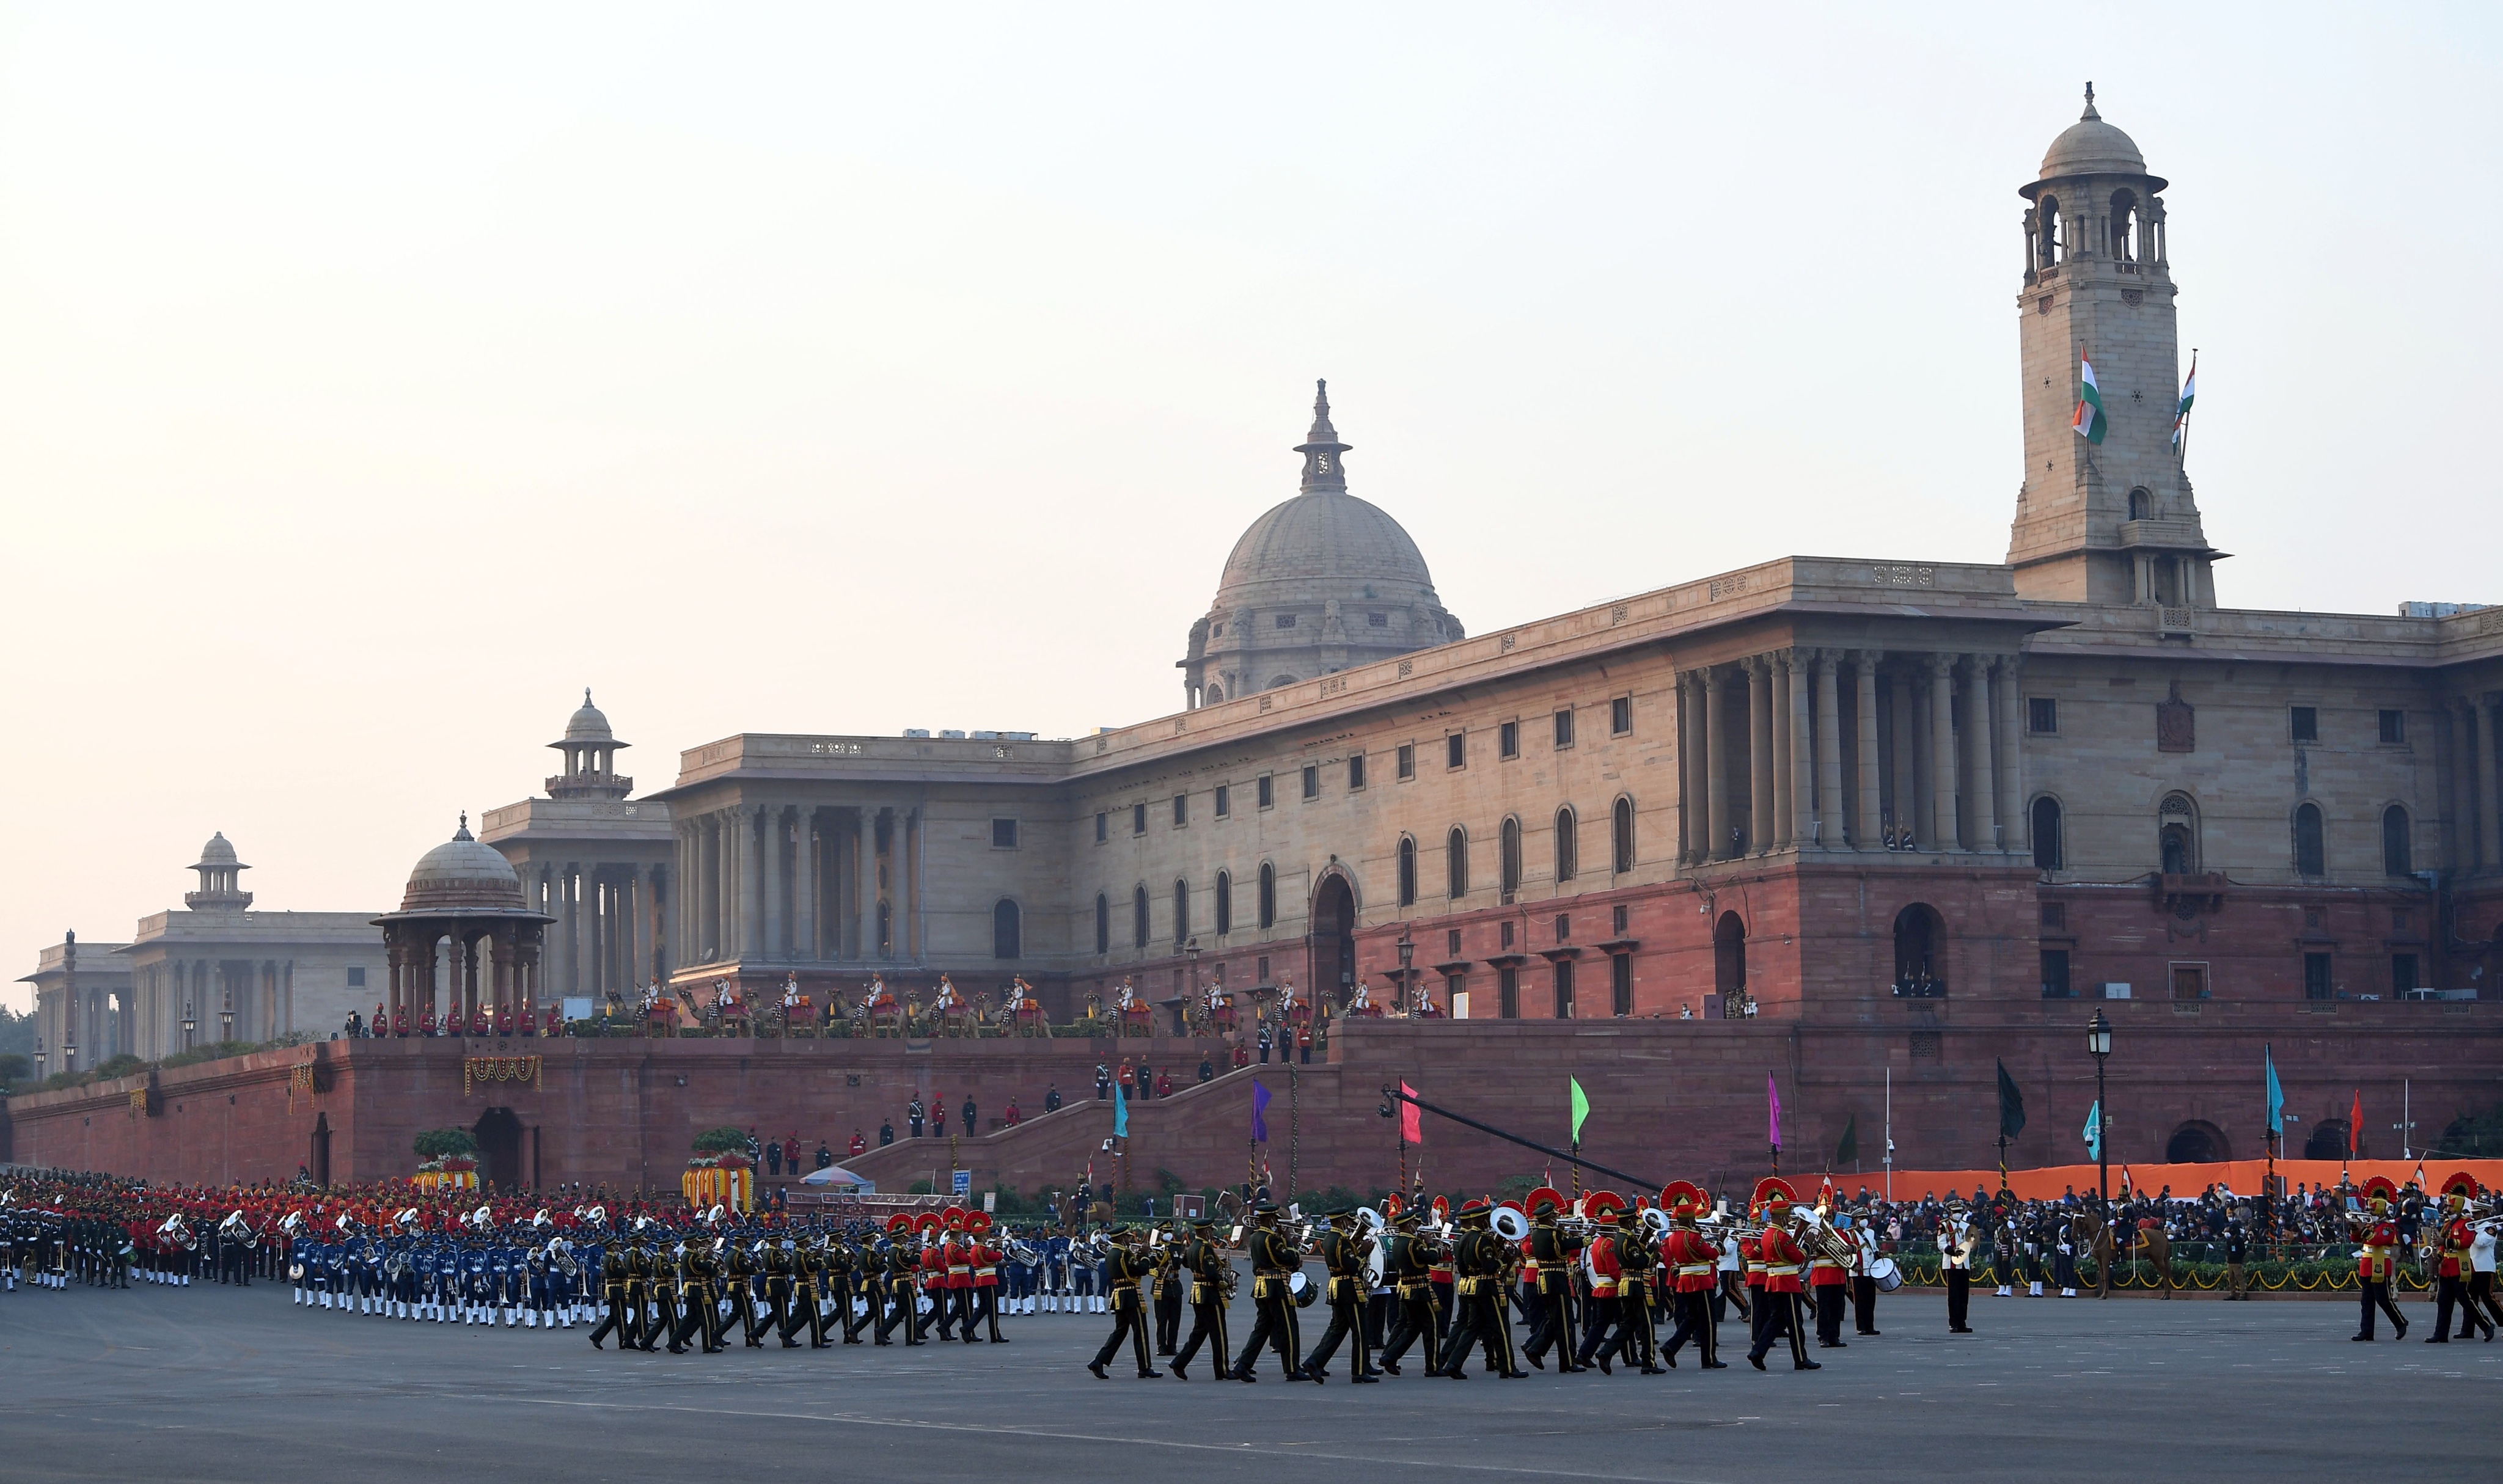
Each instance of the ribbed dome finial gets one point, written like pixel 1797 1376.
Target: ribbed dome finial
pixel 1322 447
pixel 2090 116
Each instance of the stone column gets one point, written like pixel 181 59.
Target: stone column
pixel 1689 782
pixel 569 885
pixel 865 886
pixel 751 898
pixel 803 884
pixel 717 904
pixel 1829 750
pixel 908 875
pixel 640 923
pixel 1716 778
pixel 2464 791
pixel 1942 753
pixel 1799 752
pixel 1901 723
pixel 1979 712
pixel 599 934
pixel 772 837
pixel 2015 822
pixel 2489 823
pixel 1760 755
pixel 1867 831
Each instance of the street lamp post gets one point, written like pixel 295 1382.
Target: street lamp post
pixel 1407 983
pixel 1190 951
pixel 225 1019
pixel 2099 1033
pixel 190 1025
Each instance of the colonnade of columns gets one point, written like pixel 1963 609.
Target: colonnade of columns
pixel 1833 749
pixel 435 968
pixel 800 883
pixel 257 994
pixel 607 933
pixel 2477 840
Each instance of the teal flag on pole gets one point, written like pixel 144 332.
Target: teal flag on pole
pixel 2095 1132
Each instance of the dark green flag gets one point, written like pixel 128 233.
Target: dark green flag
pixel 2012 1105
pixel 1848 1150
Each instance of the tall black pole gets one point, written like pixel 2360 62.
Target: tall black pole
pixel 2102 1137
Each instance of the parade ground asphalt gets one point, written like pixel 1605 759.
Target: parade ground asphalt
pixel 214 1383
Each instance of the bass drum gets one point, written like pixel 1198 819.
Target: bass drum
pixel 1886 1274
pixel 1304 1289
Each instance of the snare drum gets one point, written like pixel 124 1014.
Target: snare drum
pixel 1303 1289
pixel 1887 1277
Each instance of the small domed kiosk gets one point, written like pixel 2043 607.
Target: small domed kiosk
pixel 463 895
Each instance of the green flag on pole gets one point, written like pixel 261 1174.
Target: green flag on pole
pixel 1581 1107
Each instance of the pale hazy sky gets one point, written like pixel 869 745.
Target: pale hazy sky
pixel 372 381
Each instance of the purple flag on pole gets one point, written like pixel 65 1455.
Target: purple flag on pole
pixel 1774 1097
pixel 1259 1112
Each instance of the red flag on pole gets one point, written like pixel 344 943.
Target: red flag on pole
pixel 1412 1119
pixel 2355 1124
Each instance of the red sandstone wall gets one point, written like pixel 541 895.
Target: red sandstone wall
pixel 1671 1098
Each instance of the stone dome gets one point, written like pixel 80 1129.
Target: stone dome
pixel 1320 584
pixel 2092 147
pixel 1322 538
pixel 463 875
pixel 218 852
pixel 588 724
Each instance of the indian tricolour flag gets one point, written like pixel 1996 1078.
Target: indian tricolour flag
pixel 2182 414
pixel 2090 421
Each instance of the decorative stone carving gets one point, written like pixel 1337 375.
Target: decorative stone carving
pixel 2175 723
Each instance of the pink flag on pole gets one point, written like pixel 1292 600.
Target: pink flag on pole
pixel 1774 1097
pixel 1412 1121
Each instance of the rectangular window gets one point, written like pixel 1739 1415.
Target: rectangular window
pixel 1103 827
pixel 1563 729
pixel 1456 750
pixel 1407 759
pixel 1312 780
pixel 1453 950
pixel 1508 740
pixel 356 979
pixel 1356 771
pixel 1224 802
pixel 1564 989
pixel 2394 728
pixel 1621 985
pixel 1506 934
pixel 2403 974
pixel 2056 915
pixel 1181 810
pixel 1377 620
pixel 1563 927
pixel 1138 819
pixel 2303 723
pixel 1264 970
pixel 1455 993
pixel 2055 975
pixel 2189 981
pixel 1268 794
pixel 1507 992
pixel 1004 834
pixel 2042 714
pixel 2316 977
pixel 1285 621
pixel 1617 920
pixel 1621 716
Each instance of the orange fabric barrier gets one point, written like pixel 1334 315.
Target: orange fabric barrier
pixel 2244 1177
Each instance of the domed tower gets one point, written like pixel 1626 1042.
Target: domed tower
pixel 463 897
pixel 2107 519
pixel 219 877
pixel 1317 585
pixel 590 758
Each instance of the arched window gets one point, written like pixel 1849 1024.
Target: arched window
pixel 1008 938
pixel 2046 834
pixel 2125 235
pixel 2141 505
pixel 1102 924
pixel 2047 250
pixel 1621 836
pixel 2311 852
pixel 1139 917
pixel 1456 865
pixel 1407 872
pixel 2176 835
pixel 1569 847
pixel 1215 694
pixel 1268 895
pixel 1920 953
pixel 1182 913
pixel 1225 902
pixel 2197 1142
pixel 1730 964
pixel 2397 860
pixel 1508 859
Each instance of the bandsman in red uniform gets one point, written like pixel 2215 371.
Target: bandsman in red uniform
pixel 2455 1238
pixel 1784 1261
pixel 2379 1236
pixel 1691 1262
pixel 1827 1280
pixel 985 1259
